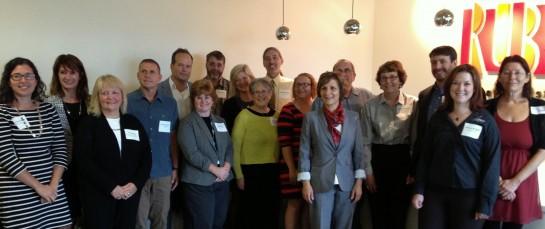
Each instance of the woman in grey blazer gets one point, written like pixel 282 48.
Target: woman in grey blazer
pixel 206 168
pixel 331 158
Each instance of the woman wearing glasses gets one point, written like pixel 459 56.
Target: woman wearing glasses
pixel 32 152
pixel 521 120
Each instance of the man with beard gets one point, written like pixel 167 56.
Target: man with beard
pixel 215 64
pixel 442 60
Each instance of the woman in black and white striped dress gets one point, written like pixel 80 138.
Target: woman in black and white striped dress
pixel 32 152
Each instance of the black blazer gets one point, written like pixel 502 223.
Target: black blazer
pixel 100 166
pixel 421 119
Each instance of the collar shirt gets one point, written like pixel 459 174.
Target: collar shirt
pixel 436 99
pixel 282 88
pixel 222 92
pixel 182 99
pixel 384 124
pixel 159 118
pixel 354 102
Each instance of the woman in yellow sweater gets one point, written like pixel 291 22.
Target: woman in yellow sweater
pixel 256 151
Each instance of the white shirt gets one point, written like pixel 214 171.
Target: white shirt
pixel 116 128
pixel 182 99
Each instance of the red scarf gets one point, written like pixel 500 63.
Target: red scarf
pixel 334 119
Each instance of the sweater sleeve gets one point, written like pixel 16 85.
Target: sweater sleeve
pixel 8 157
pixel 490 169
pixel 239 131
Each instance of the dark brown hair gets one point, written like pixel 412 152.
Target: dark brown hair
pixel 477 99
pixel 527 90
pixel 73 63
pixel 325 78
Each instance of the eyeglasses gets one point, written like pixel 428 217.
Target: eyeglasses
pixel 516 73
pixel 19 76
pixel 303 85
pixel 386 78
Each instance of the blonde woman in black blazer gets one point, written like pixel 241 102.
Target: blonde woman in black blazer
pixel 114 158
pixel 208 155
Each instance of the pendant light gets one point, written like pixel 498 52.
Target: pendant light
pixel 352 26
pixel 444 17
pixel 283 32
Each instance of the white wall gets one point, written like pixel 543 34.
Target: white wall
pixel 113 36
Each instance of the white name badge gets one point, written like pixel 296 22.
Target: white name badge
pixel 222 94
pixel 220 127
pixel 537 110
pixel 164 126
pixel 21 122
pixel 273 121
pixel 284 94
pixel 132 135
pixel 472 130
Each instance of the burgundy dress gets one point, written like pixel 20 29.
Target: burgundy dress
pixel 516 141
pixel 289 125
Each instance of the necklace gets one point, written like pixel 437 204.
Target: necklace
pixel 70 112
pixel 39 120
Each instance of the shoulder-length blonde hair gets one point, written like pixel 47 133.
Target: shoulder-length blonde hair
pixel 233 77
pixel 106 81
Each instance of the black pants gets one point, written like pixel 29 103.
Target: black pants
pixel 206 206
pixel 449 209
pixel 103 211
pixel 500 225
pixel 260 199
pixel 389 205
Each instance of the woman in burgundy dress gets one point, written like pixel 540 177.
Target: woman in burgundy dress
pixel 289 130
pixel 521 121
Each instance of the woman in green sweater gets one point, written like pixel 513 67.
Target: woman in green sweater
pixel 255 151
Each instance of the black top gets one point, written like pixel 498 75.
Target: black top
pixel 537 121
pixel 74 112
pixel 461 157
pixel 230 110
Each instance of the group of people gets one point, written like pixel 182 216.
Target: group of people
pixel 237 153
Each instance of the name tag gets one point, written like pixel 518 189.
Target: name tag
pixel 164 126
pixel 472 130
pixel 132 135
pixel 273 121
pixel 284 94
pixel 21 122
pixel 220 127
pixel 222 94
pixel 537 110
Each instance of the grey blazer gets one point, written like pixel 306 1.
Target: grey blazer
pixel 319 156
pixel 199 149
pixel 57 102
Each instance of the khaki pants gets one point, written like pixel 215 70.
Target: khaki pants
pixel 154 203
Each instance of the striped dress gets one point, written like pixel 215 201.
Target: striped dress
pixel 36 150
pixel 289 125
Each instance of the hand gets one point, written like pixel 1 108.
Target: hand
pixel 509 196
pixel 240 183
pixel 293 176
pixel 370 182
pixel 129 190
pixel 224 173
pixel 510 185
pixel 174 179
pixel 409 179
pixel 221 173
pixel 355 196
pixel 308 193
pixel 418 201
pixel 480 216
pixel 117 193
pixel 47 193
